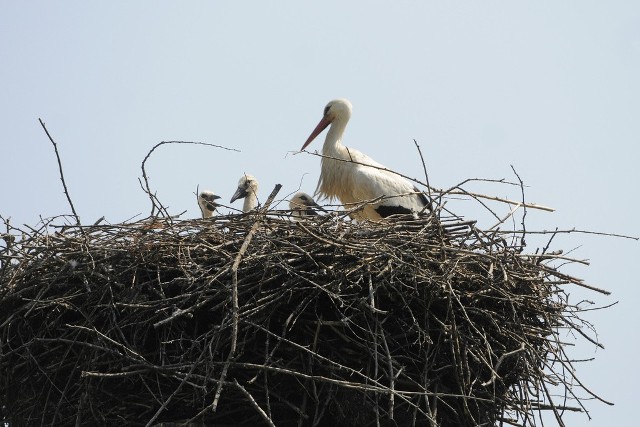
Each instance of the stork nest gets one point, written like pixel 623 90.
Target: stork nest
pixel 257 320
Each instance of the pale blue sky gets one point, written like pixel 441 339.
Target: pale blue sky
pixel 552 89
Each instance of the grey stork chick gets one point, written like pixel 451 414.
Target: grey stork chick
pixel 302 205
pixel 207 203
pixel 247 190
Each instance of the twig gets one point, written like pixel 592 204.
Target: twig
pixel 234 293
pixel 64 184
pixel 257 407
pixel 524 209
pixel 494 371
pixel 155 203
pixel 424 168
pixel 451 191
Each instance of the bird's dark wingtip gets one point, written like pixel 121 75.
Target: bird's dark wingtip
pixel 385 211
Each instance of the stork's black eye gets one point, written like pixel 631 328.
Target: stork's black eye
pixel 305 198
pixel 326 110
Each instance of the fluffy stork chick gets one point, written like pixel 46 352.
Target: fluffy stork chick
pixel 353 177
pixel 207 203
pixel 247 190
pixel 303 205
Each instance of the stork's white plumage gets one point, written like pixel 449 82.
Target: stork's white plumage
pixel 247 190
pixel 207 203
pixel 354 177
pixel 303 205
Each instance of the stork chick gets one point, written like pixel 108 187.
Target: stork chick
pixel 247 190
pixel 303 205
pixel 207 203
pixel 354 177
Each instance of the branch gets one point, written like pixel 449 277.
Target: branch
pixel 234 293
pixel 155 203
pixel 64 184
pixel 443 192
pixel 524 214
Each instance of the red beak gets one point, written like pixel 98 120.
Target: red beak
pixel 321 126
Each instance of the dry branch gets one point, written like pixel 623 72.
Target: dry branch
pixel 455 190
pixel 156 205
pixel 64 184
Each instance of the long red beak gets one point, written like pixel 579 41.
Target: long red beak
pixel 321 126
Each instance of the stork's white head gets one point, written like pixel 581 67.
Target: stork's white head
pixel 207 203
pixel 338 110
pixel 247 186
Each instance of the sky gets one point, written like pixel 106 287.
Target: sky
pixel 550 88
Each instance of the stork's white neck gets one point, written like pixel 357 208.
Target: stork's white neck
pixel 333 141
pixel 334 176
pixel 250 202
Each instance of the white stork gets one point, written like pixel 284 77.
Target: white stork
pixel 247 190
pixel 348 174
pixel 303 205
pixel 207 203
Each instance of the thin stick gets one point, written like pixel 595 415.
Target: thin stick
pixel 424 168
pixel 509 215
pixel 263 414
pixel 234 293
pixel 495 198
pixel 524 209
pixel 155 203
pixel 572 279
pixel 64 184
pixel 443 192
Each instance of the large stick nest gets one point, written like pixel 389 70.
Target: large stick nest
pixel 257 320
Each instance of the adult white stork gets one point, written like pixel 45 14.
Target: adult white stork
pixel 207 203
pixel 247 190
pixel 303 205
pixel 354 177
